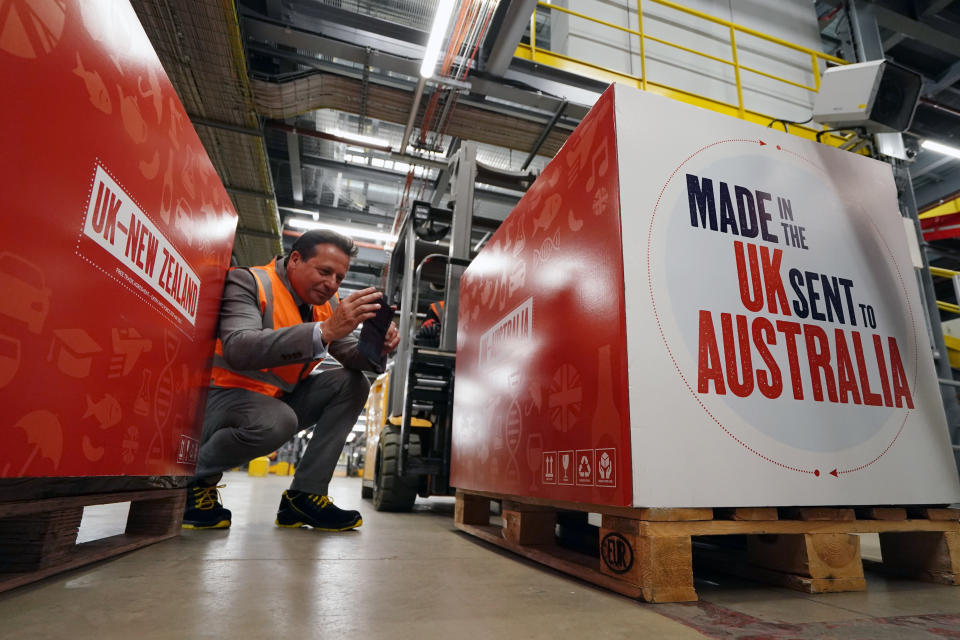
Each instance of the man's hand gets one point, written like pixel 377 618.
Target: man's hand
pixel 392 340
pixel 351 311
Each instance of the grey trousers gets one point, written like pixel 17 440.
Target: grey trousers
pixel 240 425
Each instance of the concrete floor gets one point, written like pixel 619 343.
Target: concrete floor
pixel 413 576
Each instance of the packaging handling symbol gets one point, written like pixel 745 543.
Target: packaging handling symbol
pixel 549 467
pixel 585 467
pixel 606 467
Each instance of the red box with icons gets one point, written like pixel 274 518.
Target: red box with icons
pixel 541 379
pixel 690 310
pixel 114 244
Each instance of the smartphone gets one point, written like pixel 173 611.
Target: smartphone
pixel 374 332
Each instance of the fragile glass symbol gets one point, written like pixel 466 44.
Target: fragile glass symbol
pixel 565 462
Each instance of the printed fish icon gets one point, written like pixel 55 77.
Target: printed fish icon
pixel 150 169
pixel 550 210
pixel 96 89
pixel 132 120
pixel 153 91
pixel 107 411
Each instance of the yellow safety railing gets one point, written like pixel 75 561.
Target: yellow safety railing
pixel 533 53
pixel 945 273
pixel 944 209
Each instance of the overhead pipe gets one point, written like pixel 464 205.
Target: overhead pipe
pixel 939 106
pixel 543 135
pixel 418 94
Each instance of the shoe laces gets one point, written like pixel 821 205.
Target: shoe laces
pixel 206 498
pixel 320 501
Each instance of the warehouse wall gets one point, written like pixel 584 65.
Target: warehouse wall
pixel 791 20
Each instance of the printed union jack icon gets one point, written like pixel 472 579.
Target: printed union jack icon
pixel 566 398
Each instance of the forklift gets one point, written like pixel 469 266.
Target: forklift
pixel 409 409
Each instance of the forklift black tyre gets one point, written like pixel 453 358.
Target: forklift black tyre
pixel 366 492
pixel 390 492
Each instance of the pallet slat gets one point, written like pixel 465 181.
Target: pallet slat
pixel 746 513
pixel 881 513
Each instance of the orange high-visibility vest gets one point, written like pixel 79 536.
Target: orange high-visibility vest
pixel 278 310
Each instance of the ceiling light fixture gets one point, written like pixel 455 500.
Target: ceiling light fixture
pixel 941 148
pixel 313 214
pixel 439 29
pixel 356 137
pixel 354 232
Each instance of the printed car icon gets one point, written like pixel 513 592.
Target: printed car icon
pixel 23 291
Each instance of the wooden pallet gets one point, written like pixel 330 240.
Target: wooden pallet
pixel 38 538
pixel 648 553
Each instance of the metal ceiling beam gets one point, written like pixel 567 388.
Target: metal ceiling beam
pixel 249 192
pixel 913 28
pixel 933 165
pixel 893 40
pixel 935 191
pixel 401 61
pixel 226 126
pixel 247 231
pixel 947 79
pixel 516 18
pixel 929 8
pixel 366 26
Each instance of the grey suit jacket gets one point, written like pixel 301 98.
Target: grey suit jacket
pixel 247 345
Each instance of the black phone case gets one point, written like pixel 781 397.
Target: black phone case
pixel 374 332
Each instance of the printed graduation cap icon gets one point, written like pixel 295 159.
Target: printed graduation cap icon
pixel 73 351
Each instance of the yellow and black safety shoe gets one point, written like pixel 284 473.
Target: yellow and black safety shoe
pixel 301 509
pixel 204 510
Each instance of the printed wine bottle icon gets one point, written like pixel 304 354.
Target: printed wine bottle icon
pixel 534 451
pixel 141 406
pixel 606 418
pixel 514 432
pixel 605 424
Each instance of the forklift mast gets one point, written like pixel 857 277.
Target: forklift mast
pixel 462 174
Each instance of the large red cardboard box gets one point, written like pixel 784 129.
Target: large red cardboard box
pixel 688 310
pixel 114 241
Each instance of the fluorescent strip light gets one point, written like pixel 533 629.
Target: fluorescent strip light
pixel 941 148
pixel 439 29
pixel 313 214
pixel 353 232
pixel 378 142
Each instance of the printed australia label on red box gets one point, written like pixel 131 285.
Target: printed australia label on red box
pixel 139 255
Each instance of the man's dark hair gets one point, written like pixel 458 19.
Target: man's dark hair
pixel 306 244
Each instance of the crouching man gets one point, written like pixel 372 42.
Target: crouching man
pixel 277 322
